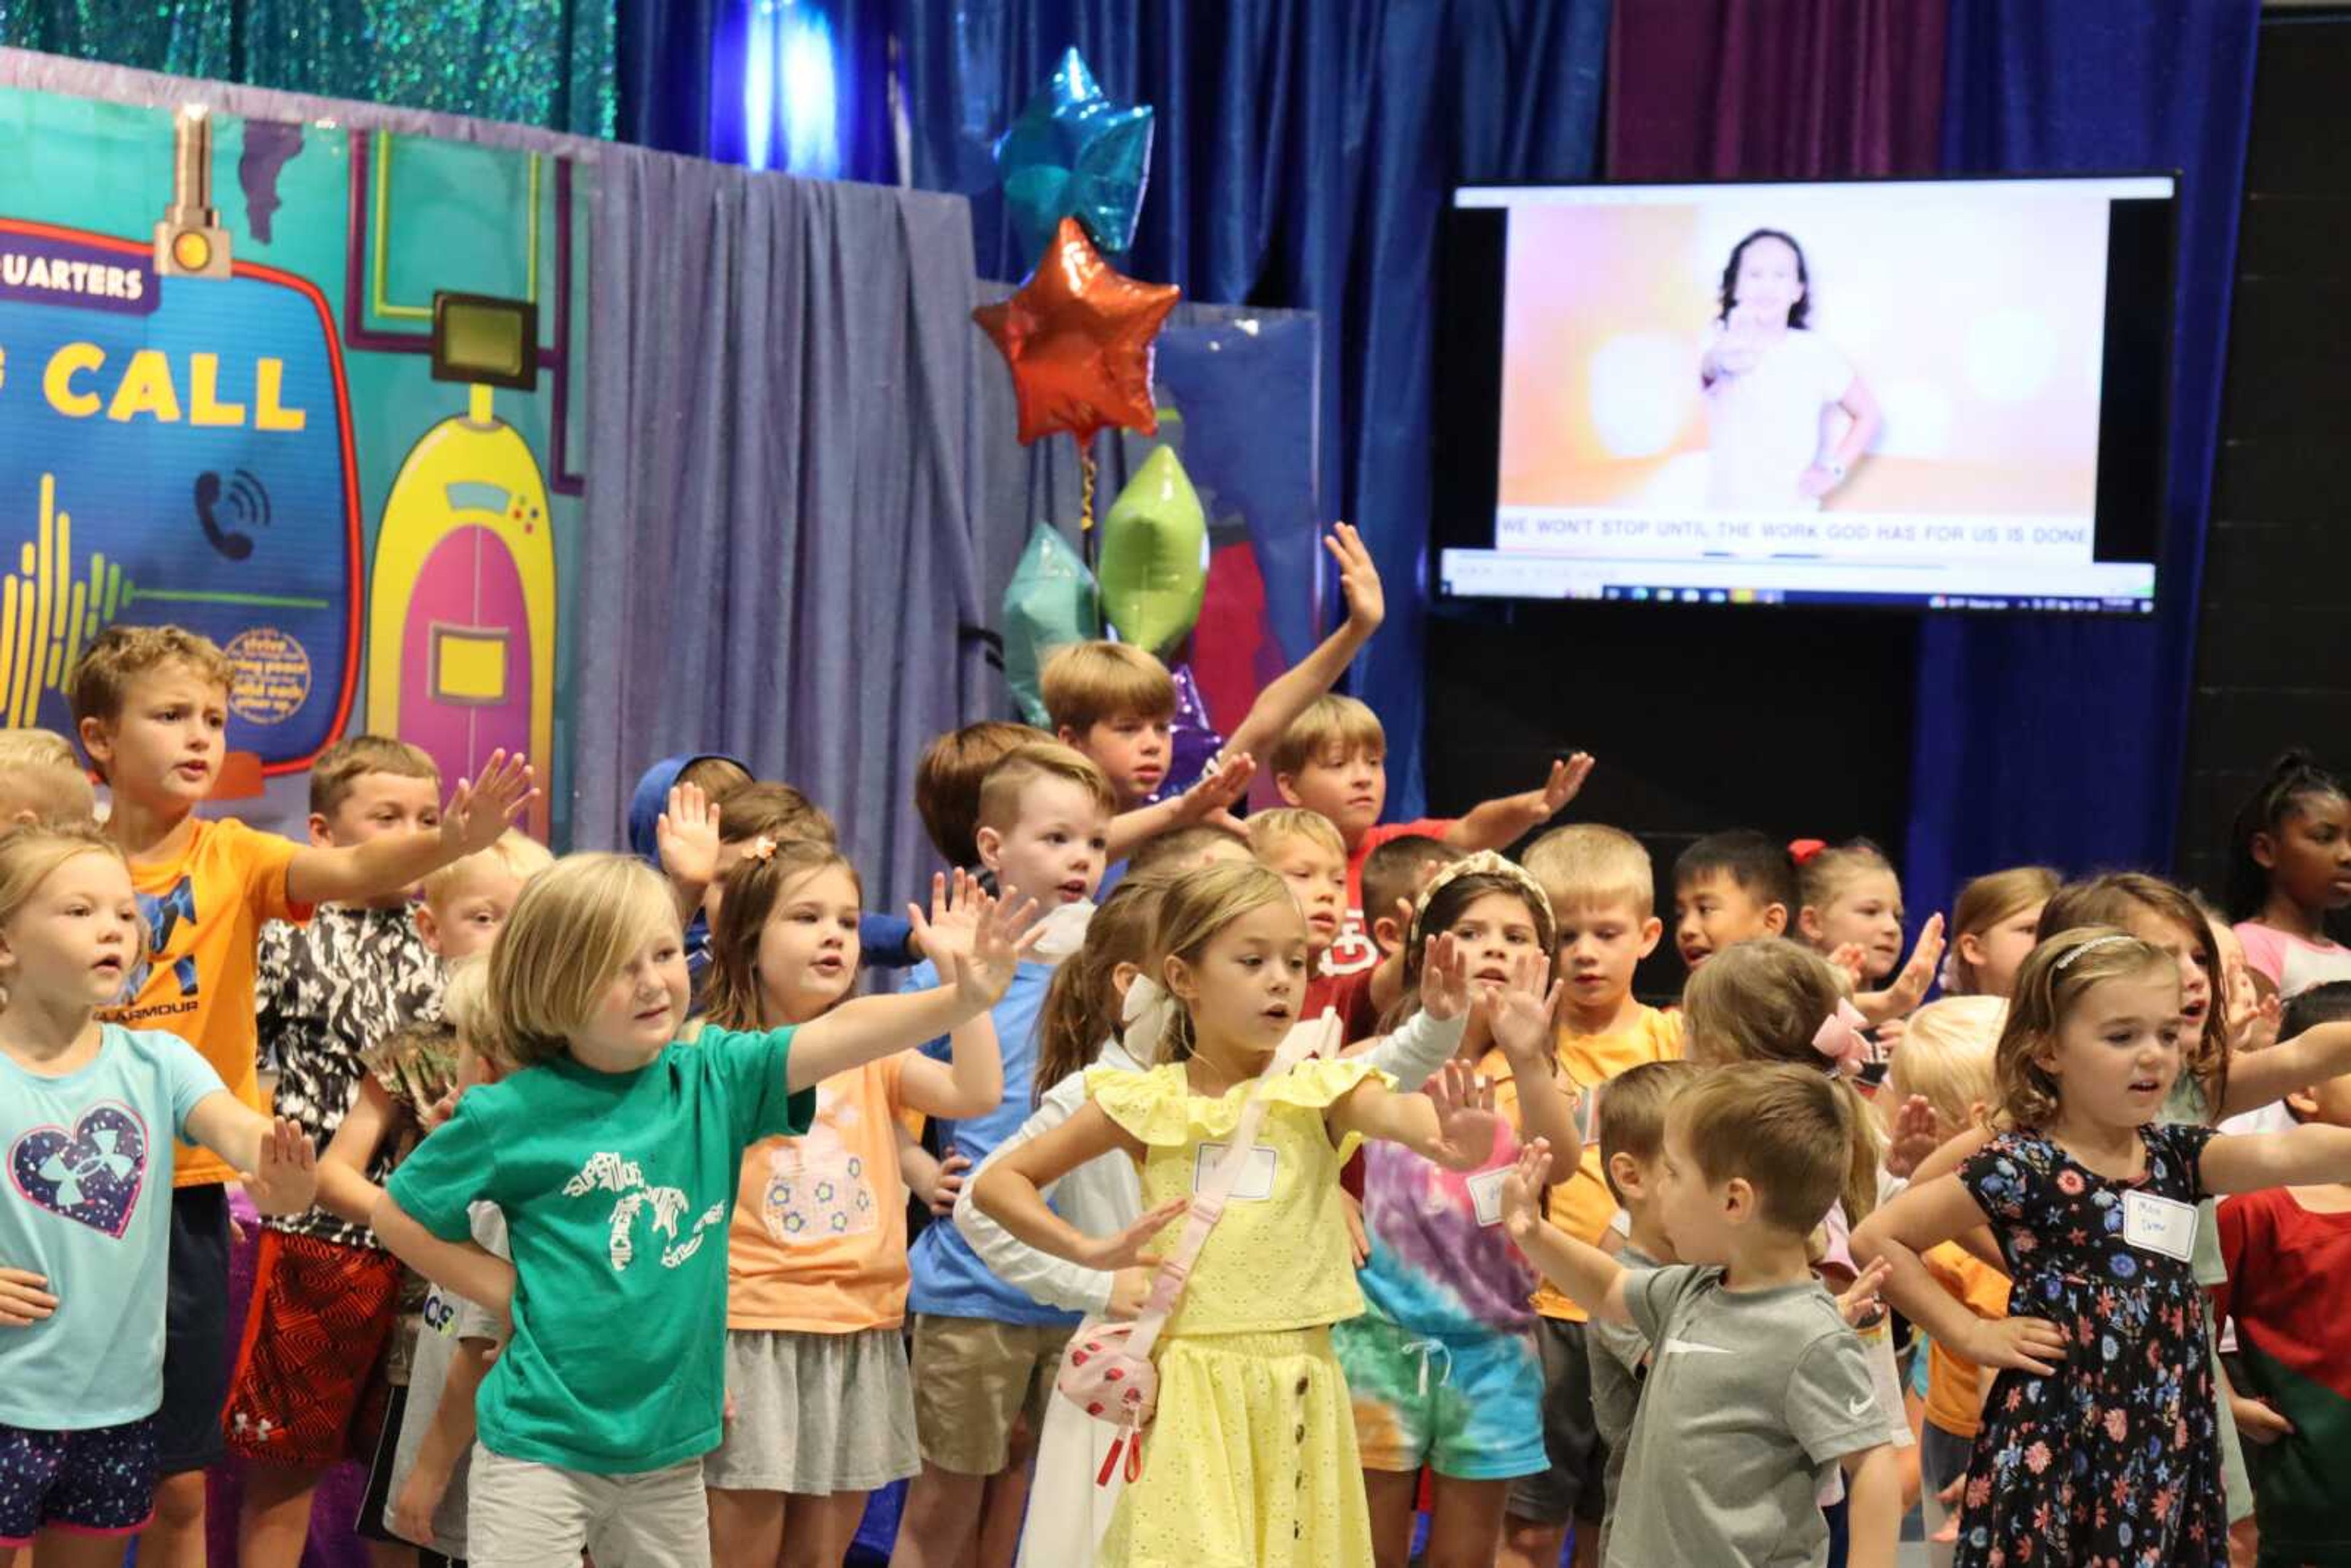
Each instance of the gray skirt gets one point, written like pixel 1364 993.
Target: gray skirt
pixel 816 1413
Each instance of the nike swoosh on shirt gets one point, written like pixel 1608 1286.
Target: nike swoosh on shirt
pixel 1863 1405
pixel 1690 1347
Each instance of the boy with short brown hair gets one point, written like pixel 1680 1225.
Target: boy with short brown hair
pixel 1602 897
pixel 151 709
pixel 947 779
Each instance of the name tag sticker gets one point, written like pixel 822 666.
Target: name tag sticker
pixel 2159 1224
pixel 1256 1182
pixel 1486 1192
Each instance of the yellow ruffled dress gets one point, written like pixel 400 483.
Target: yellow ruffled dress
pixel 1251 1461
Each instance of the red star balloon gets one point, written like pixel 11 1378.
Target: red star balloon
pixel 1078 338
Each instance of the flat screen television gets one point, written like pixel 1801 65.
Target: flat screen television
pixel 1947 394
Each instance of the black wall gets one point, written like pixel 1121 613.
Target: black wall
pixel 1702 718
pixel 2274 652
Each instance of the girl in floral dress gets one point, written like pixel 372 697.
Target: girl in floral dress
pixel 2099 1441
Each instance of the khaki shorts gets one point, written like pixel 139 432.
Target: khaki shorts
pixel 974 1379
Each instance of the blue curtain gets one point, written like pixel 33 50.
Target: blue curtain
pixel 1304 153
pixel 2062 741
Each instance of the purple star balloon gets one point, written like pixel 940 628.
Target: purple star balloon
pixel 1194 741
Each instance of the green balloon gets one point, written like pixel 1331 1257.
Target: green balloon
pixel 1052 599
pixel 1153 546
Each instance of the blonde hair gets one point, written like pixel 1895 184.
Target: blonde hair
pixel 514 851
pixel 1330 724
pixel 573 927
pixel 1763 1001
pixel 1000 790
pixel 733 996
pixel 121 655
pixel 1195 907
pixel 1631 1114
pixel 1268 831
pixel 1824 873
pixel 342 766
pixel 466 996
pixel 1162 851
pixel 1987 901
pixel 40 773
pixel 1083 1003
pixel 1586 864
pixel 2055 976
pixel 29 854
pixel 947 780
pixel 1947 1054
pixel 1781 1127
pixel 1086 683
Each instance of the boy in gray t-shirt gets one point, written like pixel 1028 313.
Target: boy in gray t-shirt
pixel 1758 1390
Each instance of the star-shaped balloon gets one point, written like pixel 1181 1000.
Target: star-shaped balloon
pixel 1073 153
pixel 1078 338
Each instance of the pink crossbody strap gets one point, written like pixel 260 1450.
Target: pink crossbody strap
pixel 1318 1038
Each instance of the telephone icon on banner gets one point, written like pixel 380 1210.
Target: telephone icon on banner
pixel 247 502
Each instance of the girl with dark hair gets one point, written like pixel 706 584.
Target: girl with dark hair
pixel 1771 385
pixel 2289 869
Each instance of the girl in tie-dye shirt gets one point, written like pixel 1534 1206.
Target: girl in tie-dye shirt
pixel 1443 1365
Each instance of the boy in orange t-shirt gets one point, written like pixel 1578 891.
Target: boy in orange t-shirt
pixel 1603 895
pixel 150 708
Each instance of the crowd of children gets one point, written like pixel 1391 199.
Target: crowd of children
pixel 1206 1190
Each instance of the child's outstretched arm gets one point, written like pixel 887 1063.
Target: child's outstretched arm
pixel 1873 1517
pixel 1901 998
pixel 1452 1122
pixel 465 1267
pixel 276 1162
pixel 1220 787
pixel 344 1190
pixel 1008 1189
pixel 2262 1078
pixel 476 815
pixel 1923 1216
pixel 1590 1278
pixel 1504 820
pixel 970 1083
pixel 1297 688
pixel 857 1031
pixel 2312 1154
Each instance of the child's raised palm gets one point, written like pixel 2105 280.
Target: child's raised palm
pixel 1522 1190
pixel 953 919
pixel 1466 1122
pixel 1564 783
pixel 1220 787
pixel 1444 974
pixel 1901 998
pixel 687 836
pixel 480 810
pixel 1001 936
pixel 284 1175
pixel 1359 578
pixel 1518 1014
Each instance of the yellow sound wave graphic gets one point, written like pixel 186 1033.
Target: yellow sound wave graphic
pixel 48 615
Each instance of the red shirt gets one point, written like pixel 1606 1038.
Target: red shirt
pixel 1353 951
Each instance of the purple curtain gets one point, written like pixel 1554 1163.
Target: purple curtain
pixel 1775 88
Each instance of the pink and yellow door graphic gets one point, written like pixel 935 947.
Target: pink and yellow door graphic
pixel 461 625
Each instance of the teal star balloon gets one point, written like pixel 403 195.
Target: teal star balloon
pixel 1074 153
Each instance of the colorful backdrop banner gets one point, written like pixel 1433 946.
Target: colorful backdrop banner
pixel 307 391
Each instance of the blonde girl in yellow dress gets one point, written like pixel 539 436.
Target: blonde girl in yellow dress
pixel 1251 1462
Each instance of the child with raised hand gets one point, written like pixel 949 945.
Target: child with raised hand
pixel 1946 1059
pixel 1252 1457
pixel 1334 759
pixel 1995 922
pixel 2106 1392
pixel 2289 869
pixel 1602 893
pixel 2288 1252
pixel 1766 1393
pixel 1629 1125
pixel 816 1275
pixel 88 1112
pixel 151 710
pixel 1440 1281
pixel 615 1151
pixel 1851 910
pixel 40 781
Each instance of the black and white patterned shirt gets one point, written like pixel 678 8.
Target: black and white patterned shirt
pixel 324 993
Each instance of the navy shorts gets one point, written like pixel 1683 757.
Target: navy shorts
pixel 97 1482
pixel 195 1333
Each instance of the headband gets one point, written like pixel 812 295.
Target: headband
pixel 2092 946
pixel 1484 862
